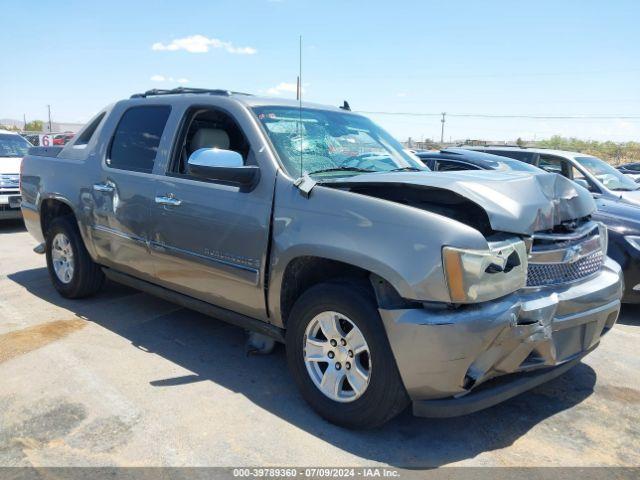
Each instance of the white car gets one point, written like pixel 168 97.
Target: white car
pixel 12 148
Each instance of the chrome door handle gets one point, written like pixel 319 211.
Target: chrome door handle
pixel 104 187
pixel 168 200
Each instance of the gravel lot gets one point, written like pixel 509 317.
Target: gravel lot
pixel 127 379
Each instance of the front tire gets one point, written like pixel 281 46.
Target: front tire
pixel 72 272
pixel 340 358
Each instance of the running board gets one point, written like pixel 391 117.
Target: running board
pixel 186 301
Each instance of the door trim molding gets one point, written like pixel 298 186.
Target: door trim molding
pixel 235 271
pixel 119 233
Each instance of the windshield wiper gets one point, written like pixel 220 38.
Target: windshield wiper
pixel 408 169
pixel 342 169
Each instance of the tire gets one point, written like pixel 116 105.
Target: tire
pixel 384 396
pixel 86 277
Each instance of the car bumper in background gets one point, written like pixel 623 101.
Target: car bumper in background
pixel 455 361
pixel 9 206
pixel 629 259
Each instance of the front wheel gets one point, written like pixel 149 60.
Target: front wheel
pixel 340 357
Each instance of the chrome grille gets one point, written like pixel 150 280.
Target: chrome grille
pixel 557 258
pixel 540 274
pixel 9 182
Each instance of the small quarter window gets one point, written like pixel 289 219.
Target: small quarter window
pixel 135 142
pixel 85 137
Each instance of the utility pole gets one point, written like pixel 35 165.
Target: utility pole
pixel 444 114
pixel 49 110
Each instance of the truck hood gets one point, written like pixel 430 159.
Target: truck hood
pixel 10 165
pixel 515 202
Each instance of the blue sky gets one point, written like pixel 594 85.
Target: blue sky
pixel 558 57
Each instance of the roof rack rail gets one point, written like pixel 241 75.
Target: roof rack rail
pixel 177 91
pixel 505 145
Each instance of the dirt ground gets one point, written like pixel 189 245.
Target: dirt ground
pixel 127 379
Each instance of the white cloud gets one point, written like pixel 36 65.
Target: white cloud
pixel 202 44
pixel 162 78
pixel 401 94
pixel 283 87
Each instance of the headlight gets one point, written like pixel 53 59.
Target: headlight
pixel 481 275
pixel 633 240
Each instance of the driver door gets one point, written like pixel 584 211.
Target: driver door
pixel 209 239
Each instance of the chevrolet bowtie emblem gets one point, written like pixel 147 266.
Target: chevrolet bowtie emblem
pixel 573 254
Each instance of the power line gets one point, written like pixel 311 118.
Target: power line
pixel 498 115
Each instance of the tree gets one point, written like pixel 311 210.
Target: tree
pixel 34 126
pixel 520 142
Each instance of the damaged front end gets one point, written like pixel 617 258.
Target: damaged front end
pixel 497 308
pixel 458 359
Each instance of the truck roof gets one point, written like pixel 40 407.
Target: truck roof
pixel 540 150
pixel 244 98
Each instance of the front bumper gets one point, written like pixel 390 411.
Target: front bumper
pixel 9 206
pixel 444 354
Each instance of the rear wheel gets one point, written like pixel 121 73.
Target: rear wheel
pixel 73 273
pixel 340 357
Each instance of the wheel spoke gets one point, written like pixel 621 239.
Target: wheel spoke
pixel 334 358
pixel 329 325
pixel 315 350
pixel 331 381
pixel 62 258
pixel 356 341
pixel 357 379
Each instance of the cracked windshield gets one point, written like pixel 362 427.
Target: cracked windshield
pixel 332 144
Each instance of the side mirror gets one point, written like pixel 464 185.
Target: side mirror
pixel 221 165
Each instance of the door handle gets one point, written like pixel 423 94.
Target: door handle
pixel 169 199
pixel 104 187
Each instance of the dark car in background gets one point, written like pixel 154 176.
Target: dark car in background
pixel 454 159
pixel 631 169
pixel 621 218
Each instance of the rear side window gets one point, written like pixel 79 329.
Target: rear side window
pixel 453 166
pixel 135 143
pixel 523 156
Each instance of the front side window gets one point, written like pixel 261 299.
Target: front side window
pixel 206 127
pixel 13 145
pixel 329 144
pixel 135 142
pixel 607 175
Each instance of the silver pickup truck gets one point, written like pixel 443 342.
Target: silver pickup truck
pixel 388 283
